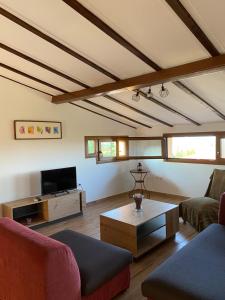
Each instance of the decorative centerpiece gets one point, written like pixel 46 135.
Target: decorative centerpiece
pixel 138 200
pixel 139 167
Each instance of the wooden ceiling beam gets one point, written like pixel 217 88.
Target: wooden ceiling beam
pixel 171 74
pixel 188 91
pixel 116 113
pixel 30 28
pixel 32 78
pixel 108 97
pixel 64 91
pixel 137 110
pixel 87 14
pixel 107 30
pixel 46 67
pixel 179 9
pixel 152 99
pixel 42 65
pixel 99 114
pixel 26 85
pixel 54 42
pixel 192 25
pixel 92 111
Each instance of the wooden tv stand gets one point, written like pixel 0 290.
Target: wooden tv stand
pixel 34 213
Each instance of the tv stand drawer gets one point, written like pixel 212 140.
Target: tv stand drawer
pixel 63 206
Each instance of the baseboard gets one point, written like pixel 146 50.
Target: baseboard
pixel 127 193
pixel 106 198
pixel 170 195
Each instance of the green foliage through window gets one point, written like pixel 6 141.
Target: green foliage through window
pixel 91 146
pixel 185 154
pixel 108 149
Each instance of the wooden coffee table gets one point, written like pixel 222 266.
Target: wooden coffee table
pixel 140 231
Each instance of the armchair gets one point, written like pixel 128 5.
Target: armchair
pixel 202 211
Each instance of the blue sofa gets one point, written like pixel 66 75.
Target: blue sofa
pixel 196 272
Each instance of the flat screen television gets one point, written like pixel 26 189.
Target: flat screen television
pixel 58 180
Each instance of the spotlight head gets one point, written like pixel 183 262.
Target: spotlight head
pixel 164 92
pixel 136 97
pixel 149 93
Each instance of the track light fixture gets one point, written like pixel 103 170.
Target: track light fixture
pixel 136 97
pixel 149 93
pixel 164 92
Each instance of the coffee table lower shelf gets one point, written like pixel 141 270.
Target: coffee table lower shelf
pixel 150 241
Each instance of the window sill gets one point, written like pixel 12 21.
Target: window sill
pixel 196 161
pixel 110 160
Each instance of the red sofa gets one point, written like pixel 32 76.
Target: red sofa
pixel 196 271
pixel 33 266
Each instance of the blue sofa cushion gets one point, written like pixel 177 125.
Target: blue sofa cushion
pixel 196 272
pixel 98 261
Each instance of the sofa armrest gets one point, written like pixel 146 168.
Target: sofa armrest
pixel 222 210
pixel 33 266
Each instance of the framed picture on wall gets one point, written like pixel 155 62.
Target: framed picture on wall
pixel 37 130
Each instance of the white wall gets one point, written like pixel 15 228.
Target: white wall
pixel 21 161
pixel 179 178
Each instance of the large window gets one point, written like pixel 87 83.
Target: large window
pixel 196 147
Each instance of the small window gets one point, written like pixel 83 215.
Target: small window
pixel 122 148
pixel 90 147
pixel 145 148
pixel 107 149
pixel 192 147
pixel 222 148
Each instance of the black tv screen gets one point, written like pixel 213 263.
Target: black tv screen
pixel 58 180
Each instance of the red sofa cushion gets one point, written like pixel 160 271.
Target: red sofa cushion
pixel 35 267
